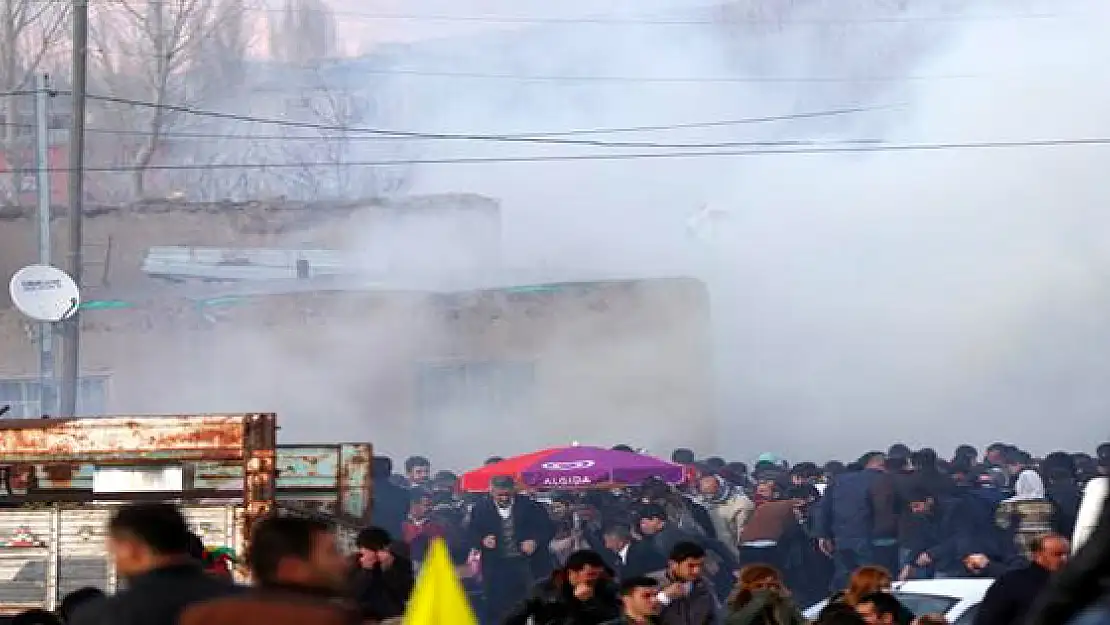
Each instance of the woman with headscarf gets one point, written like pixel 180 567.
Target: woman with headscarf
pixel 1028 514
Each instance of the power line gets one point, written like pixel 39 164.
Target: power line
pixel 712 124
pixel 664 79
pixel 321 139
pixel 380 132
pixel 907 147
pixel 678 80
pixel 512 19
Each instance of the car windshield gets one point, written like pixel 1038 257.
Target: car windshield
pixel 926 604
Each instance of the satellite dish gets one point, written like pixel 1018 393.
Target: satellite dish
pixel 44 293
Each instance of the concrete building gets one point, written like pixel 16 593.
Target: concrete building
pixel 455 370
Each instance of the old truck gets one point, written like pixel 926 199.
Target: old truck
pixel 59 480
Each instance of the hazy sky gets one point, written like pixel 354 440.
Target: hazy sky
pixel 364 24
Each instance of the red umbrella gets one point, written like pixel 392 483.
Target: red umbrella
pixel 574 467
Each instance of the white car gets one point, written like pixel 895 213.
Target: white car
pixel 957 599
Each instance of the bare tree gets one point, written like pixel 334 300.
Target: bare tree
pixel 304 32
pixel 331 151
pixel 30 31
pixel 166 54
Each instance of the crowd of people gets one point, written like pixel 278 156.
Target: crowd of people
pixel 728 546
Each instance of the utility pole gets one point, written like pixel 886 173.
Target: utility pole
pixel 42 183
pixel 71 355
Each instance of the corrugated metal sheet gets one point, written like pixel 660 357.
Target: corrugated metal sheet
pixel 83 552
pixel 24 558
pixel 206 437
pixel 242 264
pixel 36 571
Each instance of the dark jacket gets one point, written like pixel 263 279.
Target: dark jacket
pixel 920 496
pixel 671 535
pixel 156 598
pixel 553 603
pixel 391 506
pixel 383 594
pixel 700 607
pixel 1011 596
pixel 846 515
pixel 905 616
pixel 1065 495
pixel 642 558
pixel 275 605
pixel 968 527
pixel 702 516
pixel 530 522
pixel 882 498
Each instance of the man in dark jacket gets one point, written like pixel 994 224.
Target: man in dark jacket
pixel 687 596
pixel 969 541
pixel 857 514
pixel 882 608
pixel 638 602
pixel 663 536
pixel 391 502
pixel 581 593
pixel 1063 490
pixel 384 580
pixel 920 495
pixel 512 532
pixel 1011 597
pixel 629 556
pixel 150 545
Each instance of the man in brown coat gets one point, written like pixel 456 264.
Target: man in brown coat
pixel 298 575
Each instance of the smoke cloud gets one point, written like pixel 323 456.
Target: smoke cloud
pixel 932 297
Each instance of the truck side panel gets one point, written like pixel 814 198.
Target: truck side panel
pixel 355 481
pixel 337 476
pixel 47 553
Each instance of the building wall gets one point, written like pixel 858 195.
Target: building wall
pixel 117 237
pixel 606 364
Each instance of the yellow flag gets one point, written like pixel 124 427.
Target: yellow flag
pixel 438 598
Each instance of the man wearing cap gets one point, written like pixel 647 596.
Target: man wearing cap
pixel 512 532
pixel 1094 497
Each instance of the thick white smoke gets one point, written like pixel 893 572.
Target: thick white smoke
pixel 859 298
pixel 932 297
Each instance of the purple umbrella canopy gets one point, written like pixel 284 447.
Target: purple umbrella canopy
pixel 583 467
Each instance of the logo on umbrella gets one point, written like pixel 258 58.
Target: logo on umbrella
pixel 568 466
